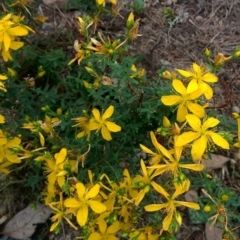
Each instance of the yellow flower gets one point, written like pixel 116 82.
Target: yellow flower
pixel 105 47
pixel 171 205
pixel 101 122
pixel 145 181
pixel 184 100
pixel 138 73
pixel 83 200
pixel 10 30
pixel 220 59
pixel 199 79
pixel 106 233
pixel 173 163
pixel 155 157
pixel 81 52
pixel 201 136
pixel 59 214
pixel 83 123
pixel 6 148
pixel 55 167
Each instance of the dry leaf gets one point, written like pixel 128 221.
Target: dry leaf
pixel 216 162
pixel 213 233
pixel 191 196
pixel 23 224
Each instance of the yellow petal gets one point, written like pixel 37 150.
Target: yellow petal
pixel 6 41
pixel 147 150
pixel 218 140
pixel 208 92
pixel 166 122
pixel 97 207
pixel 184 73
pixel 60 157
pixel 194 122
pixel 106 134
pixel 18 31
pixel 61 180
pixel 96 114
pixel 196 109
pixel 113 127
pixel 167 221
pixel 192 86
pixel 93 192
pixel 42 139
pixel 186 138
pixel 154 207
pixel 199 147
pixel 143 167
pixel 188 204
pixel 95 236
pixel 3 77
pixel 113 228
pixel 160 189
pixel 130 18
pixel 82 215
pixel 179 87
pixel 16 45
pixel 108 113
pixel 72 203
pixel 195 167
pixel 210 123
pixel 209 77
pixel 80 190
pixel 139 197
pixel 181 113
pixel 171 100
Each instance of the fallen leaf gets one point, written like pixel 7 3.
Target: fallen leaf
pixel 23 224
pixel 191 196
pixel 216 162
pixel 213 233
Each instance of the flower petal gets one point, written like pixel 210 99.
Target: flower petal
pixel 96 114
pixel 97 207
pixel 196 109
pixel 108 113
pixel 194 122
pixel 93 192
pixel 210 123
pixel 105 133
pixel 154 207
pixel 113 127
pixel 82 215
pixel 192 86
pixel 181 113
pixel 60 157
pixel 209 77
pixel 218 140
pixel 72 203
pixel 198 148
pixel 80 190
pixel 188 204
pixel 167 221
pixel 179 87
pixel 171 100
pixel 186 138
